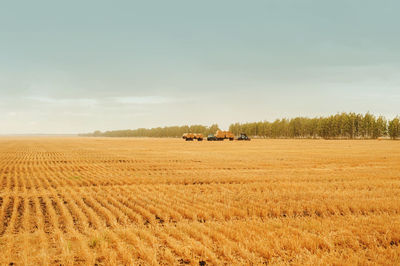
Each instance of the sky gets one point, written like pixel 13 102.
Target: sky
pixel 79 66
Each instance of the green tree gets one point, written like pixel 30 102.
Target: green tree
pixel 213 128
pixel 380 127
pixel 394 128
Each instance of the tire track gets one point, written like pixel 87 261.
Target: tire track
pixel 6 214
pixel 18 225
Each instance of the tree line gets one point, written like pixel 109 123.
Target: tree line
pixel 158 132
pixel 339 126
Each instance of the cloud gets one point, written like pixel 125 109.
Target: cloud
pixel 63 101
pixel 139 100
pixel 144 100
pixel 11 114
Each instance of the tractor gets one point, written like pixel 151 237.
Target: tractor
pixel 243 136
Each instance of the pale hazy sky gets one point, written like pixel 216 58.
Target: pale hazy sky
pixel 78 66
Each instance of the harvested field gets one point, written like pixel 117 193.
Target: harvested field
pixel 166 201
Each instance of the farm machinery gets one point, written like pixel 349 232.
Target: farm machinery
pixel 218 136
pixel 193 136
pixel 221 135
pixel 243 136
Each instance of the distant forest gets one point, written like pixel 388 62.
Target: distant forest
pixel 339 126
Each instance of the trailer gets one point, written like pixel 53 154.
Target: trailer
pixel 221 135
pixel 193 136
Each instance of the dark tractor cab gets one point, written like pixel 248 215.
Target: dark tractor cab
pixel 243 136
pixel 211 137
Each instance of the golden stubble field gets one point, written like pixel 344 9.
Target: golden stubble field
pixel 166 201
